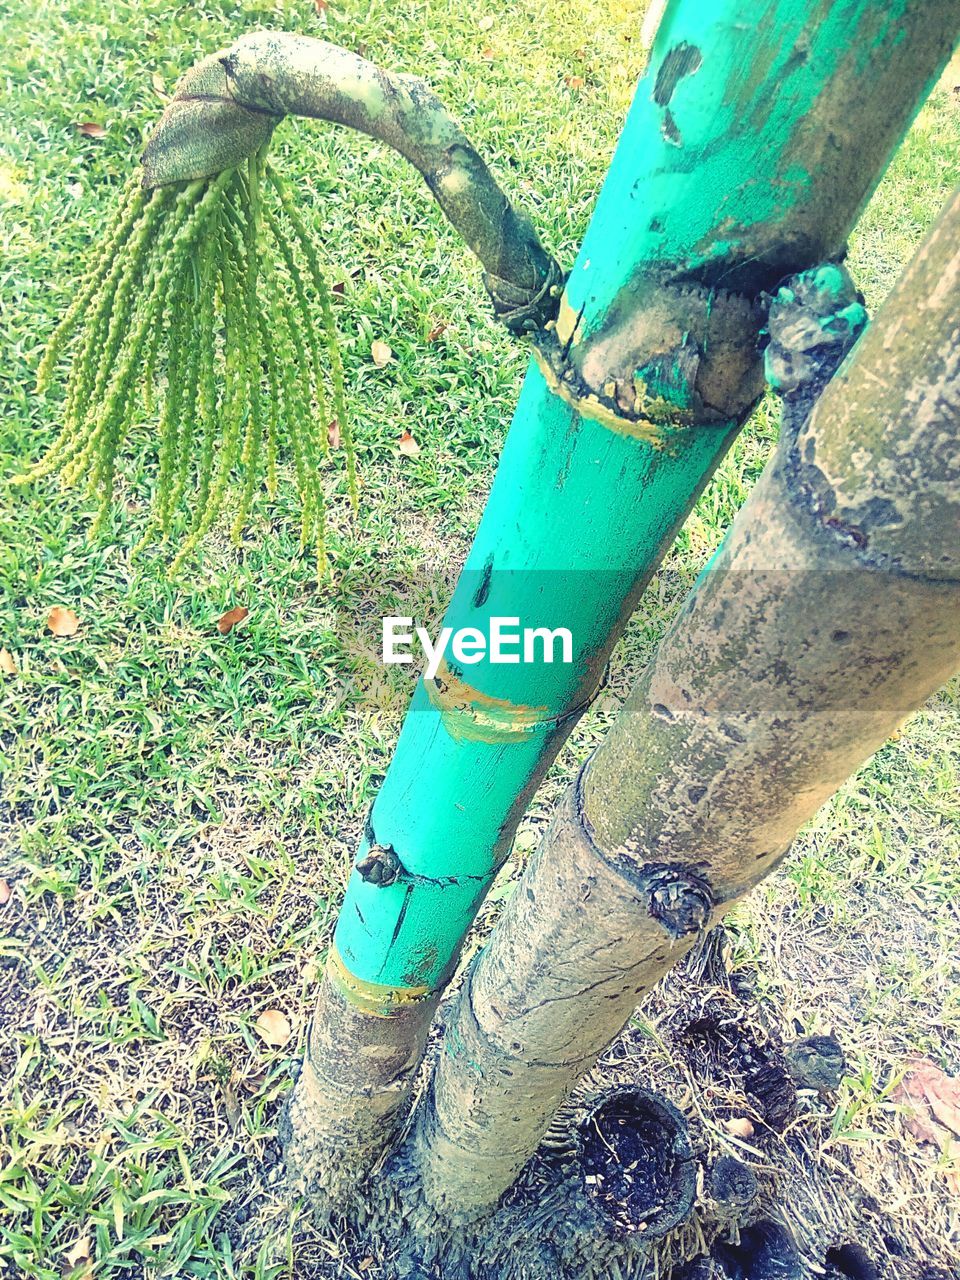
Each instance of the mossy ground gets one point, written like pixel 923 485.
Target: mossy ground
pixel 180 807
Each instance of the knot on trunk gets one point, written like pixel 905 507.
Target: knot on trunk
pixel 678 899
pixel 671 356
pixel 380 866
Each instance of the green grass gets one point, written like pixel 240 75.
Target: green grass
pixel 179 807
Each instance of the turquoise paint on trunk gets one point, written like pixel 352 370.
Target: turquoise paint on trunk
pixel 751 152
pixel 577 516
pixel 717 173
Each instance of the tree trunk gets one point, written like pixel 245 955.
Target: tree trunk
pixel 829 613
pixel 753 142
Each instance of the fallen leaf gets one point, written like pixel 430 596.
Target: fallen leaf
pixel 333 434
pixel 488 54
pixel 321 6
pixel 339 287
pixel 273 1028
pixel 408 446
pixel 931 1103
pixel 381 353
pixel 437 331
pixel 62 622
pixel 574 82
pixel 366 1264
pixel 231 1105
pixel 75 189
pixel 254 1083
pixel 8 663
pixel 77 1264
pixel 486 23
pixel 919 1124
pixel 229 620
pixel 5 892
pixel 90 129
pixel 159 88
pixel 739 1127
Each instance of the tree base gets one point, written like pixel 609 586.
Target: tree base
pixel 767 1206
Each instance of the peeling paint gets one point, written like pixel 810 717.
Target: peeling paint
pixel 566 323
pixel 682 60
pixel 470 715
pixel 589 405
pixel 669 356
pixel 382 1001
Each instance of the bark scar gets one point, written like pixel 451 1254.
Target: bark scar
pixel 470 715
pixel 671 356
pixel 679 899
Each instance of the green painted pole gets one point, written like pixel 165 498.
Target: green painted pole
pixel 755 138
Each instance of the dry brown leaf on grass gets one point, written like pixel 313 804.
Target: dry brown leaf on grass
pixel 62 622
pixel 8 663
pixel 333 434
pixel 77 1262
pixel 931 1111
pixel 931 1101
pixel 231 1105
pixel 408 446
pixel 380 353
pixel 440 327
pixel 253 1084
pixel 273 1028
pixel 573 82
pixel 229 620
pixel 90 129
pixel 5 892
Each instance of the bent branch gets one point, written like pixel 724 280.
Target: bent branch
pixel 228 105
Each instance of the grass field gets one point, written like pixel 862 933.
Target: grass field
pixel 179 808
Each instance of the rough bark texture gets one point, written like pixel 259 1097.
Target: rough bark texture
pixel 229 104
pixel 327 1107
pixel 829 614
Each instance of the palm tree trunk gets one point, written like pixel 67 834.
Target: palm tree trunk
pixel 753 142
pixel 829 613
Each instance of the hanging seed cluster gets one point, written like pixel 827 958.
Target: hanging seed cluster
pixel 199 314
